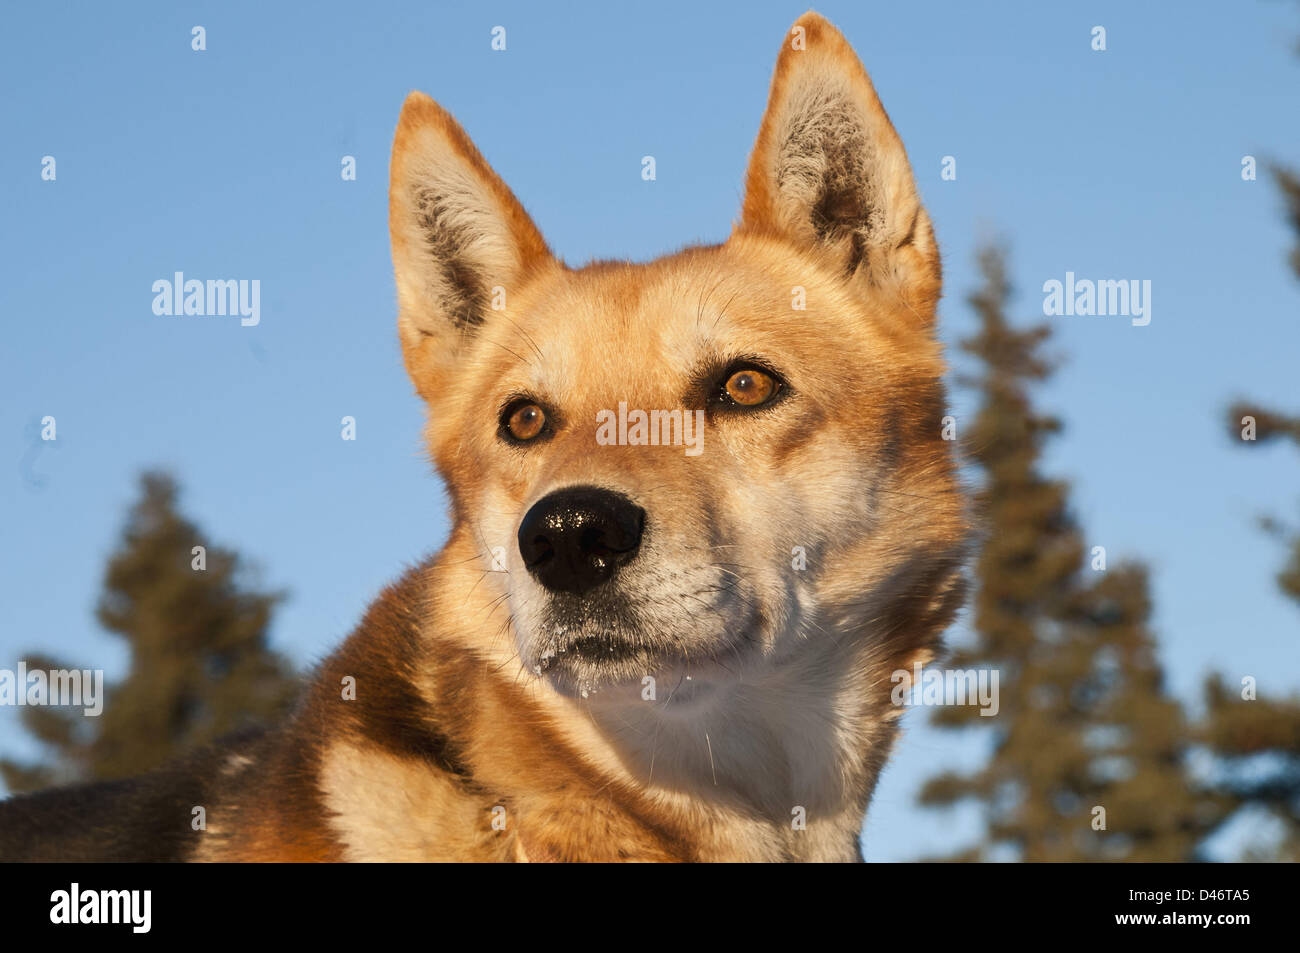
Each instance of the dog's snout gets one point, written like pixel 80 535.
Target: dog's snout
pixel 574 539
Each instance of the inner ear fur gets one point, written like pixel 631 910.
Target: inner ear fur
pixel 829 172
pixel 457 233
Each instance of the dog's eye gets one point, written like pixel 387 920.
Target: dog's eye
pixel 750 387
pixel 524 420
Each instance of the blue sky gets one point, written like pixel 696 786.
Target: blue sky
pixel 226 163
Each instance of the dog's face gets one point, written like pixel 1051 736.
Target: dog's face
pixel 688 469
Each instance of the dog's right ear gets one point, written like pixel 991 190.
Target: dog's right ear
pixel 457 234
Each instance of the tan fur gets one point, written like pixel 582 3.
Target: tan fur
pixel 472 734
pixel 853 471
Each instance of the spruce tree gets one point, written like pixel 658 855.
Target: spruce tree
pixel 1256 739
pixel 1135 740
pixel 1088 749
pixel 1028 553
pixel 200 666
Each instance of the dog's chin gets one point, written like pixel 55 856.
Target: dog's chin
pixel 605 645
pixel 626 668
pixel 604 672
pixel 589 665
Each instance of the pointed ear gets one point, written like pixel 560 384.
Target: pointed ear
pixel 457 233
pixel 829 172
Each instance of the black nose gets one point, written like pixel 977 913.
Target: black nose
pixel 574 539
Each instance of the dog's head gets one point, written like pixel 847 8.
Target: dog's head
pixel 699 465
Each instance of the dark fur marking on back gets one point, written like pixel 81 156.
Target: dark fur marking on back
pixel 144 819
pixel 389 710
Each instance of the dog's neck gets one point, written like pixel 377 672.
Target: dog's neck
pixel 779 749
pixel 787 751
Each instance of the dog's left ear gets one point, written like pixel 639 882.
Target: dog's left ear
pixel 829 173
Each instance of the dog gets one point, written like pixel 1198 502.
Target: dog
pixel 702 512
